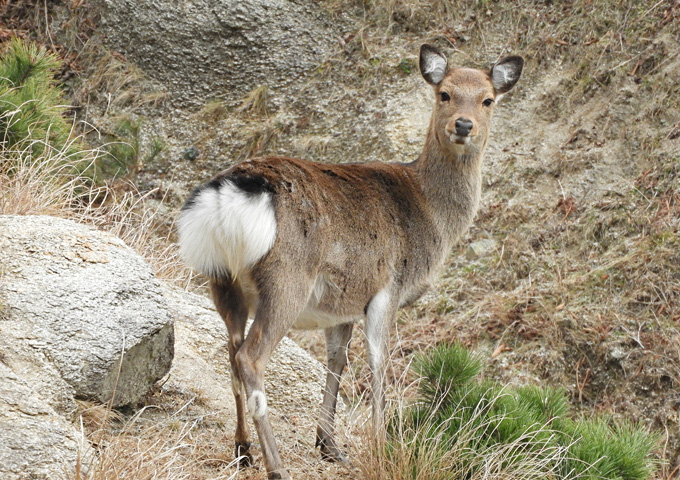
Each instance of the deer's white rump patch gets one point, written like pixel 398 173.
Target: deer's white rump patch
pixel 226 230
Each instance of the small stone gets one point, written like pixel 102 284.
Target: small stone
pixel 480 248
pixel 190 153
pixel 617 353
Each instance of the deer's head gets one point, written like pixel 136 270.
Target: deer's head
pixel 465 99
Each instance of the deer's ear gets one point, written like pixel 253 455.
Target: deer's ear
pixel 433 64
pixel 505 73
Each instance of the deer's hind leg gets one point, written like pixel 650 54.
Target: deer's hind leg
pixel 337 344
pixel 280 302
pixel 232 307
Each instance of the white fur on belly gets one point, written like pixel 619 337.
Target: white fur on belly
pixel 226 230
pixel 313 317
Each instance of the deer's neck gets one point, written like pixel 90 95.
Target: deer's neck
pixel 452 185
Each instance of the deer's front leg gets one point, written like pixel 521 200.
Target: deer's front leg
pixel 379 316
pixel 337 343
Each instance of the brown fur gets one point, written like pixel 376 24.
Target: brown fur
pixel 395 241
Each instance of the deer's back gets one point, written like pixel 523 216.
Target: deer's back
pixel 353 229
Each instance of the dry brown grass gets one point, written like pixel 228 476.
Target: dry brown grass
pixel 257 101
pixel 175 436
pixel 152 445
pixel 112 85
pixel 56 184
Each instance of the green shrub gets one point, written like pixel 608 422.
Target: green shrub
pixel 481 429
pixel 122 153
pixel 32 106
pixel 33 124
pixel 615 450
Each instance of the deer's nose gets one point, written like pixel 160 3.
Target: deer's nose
pixel 463 127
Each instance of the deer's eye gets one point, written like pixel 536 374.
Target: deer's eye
pixel 487 102
pixel 444 96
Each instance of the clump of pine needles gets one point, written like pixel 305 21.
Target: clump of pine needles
pixel 462 427
pixel 31 104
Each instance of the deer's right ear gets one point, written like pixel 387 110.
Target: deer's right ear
pixel 432 64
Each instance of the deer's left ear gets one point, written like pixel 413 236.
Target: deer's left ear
pixel 505 74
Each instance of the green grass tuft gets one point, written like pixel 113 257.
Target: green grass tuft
pixel 481 429
pixel 446 369
pixel 604 449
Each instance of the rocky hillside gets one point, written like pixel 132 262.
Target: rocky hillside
pixel 573 278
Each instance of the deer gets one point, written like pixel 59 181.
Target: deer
pixel 293 243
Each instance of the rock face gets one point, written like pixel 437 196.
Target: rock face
pixel 203 49
pixel 35 440
pixel 72 300
pixel 86 302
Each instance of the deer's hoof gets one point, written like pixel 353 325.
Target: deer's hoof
pixel 334 456
pixel 279 475
pixel 331 453
pixel 241 451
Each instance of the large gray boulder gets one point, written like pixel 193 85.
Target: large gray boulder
pixel 36 441
pixel 206 49
pixel 72 300
pixel 88 303
pixel 37 438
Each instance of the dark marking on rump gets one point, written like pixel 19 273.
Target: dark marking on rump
pixel 251 184
pixel 213 184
